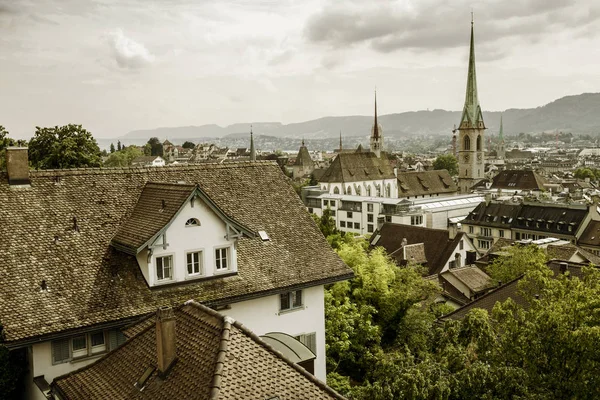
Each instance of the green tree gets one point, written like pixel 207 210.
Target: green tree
pixel 69 146
pixel 447 162
pixel 124 157
pixel 156 147
pixel 119 147
pixel 582 173
pixel 516 262
pixel 188 145
pixel 112 148
pixel 147 149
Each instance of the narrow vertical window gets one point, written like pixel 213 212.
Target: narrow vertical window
pixel 164 268
pixel 221 261
pixel 194 263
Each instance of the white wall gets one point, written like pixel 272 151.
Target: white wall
pixel 182 239
pixel 262 316
pixel 467 246
pixel 393 182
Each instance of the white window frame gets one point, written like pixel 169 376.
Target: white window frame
pixel 163 280
pixel 309 340
pixel 193 225
pixel 228 259
pixel 291 299
pixel 200 261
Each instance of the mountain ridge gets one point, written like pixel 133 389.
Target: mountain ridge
pixel 573 113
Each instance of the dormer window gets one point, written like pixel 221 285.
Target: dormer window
pixel 192 222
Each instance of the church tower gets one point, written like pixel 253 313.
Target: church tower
pixel 252 149
pixel 500 153
pixel 471 130
pixel 376 134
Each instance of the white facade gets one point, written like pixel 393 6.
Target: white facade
pixel 458 257
pixel 383 188
pixel 358 214
pixel 202 241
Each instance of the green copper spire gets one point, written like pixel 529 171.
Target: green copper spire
pixel 472 117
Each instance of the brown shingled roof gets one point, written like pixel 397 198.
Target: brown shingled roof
pixel 216 359
pixel 591 234
pixel 426 182
pixel 436 242
pixel 474 278
pixel 518 180
pixel 59 231
pixel 354 167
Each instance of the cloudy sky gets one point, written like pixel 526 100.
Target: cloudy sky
pixel 119 65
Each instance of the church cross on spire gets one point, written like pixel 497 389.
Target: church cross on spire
pixel 472 117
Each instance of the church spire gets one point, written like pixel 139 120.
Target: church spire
pixel 375 125
pixel 252 150
pixel 340 140
pixel 501 133
pixel 472 117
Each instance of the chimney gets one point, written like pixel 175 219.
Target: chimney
pixel 166 347
pixel 488 198
pixel 380 221
pixel 452 231
pixel 471 257
pixel 17 166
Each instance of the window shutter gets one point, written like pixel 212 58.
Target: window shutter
pixel 60 351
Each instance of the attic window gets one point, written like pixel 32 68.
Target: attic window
pixel 192 222
pixel 263 235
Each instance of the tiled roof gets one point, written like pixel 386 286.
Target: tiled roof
pixel 216 359
pixel 426 182
pixel 591 234
pixel 303 158
pixel 437 244
pixel 518 180
pixel 566 251
pixel 355 167
pixel 551 219
pixel 474 278
pixel 500 215
pixel 144 159
pixel 506 291
pixel 59 231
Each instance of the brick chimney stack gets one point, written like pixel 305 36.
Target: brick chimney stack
pixel 166 340
pixel 17 166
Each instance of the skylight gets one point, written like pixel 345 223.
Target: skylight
pixel 263 235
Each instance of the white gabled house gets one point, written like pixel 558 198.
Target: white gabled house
pixel 88 252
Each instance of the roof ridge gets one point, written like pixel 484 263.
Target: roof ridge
pixel 132 169
pixel 298 368
pixel 221 358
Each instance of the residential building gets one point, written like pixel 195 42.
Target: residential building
pixel 511 181
pixel 436 249
pixel 471 131
pixel 88 251
pixel 467 283
pixel 148 161
pixel 491 221
pixel 195 352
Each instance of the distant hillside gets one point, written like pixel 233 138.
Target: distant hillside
pixel 576 114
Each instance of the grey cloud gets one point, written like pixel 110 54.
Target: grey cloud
pixel 387 27
pixel 128 53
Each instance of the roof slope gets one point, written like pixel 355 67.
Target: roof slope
pixel 549 218
pixel 89 282
pixel 216 359
pixel 303 158
pixel 354 167
pixel 437 243
pixel 591 234
pixel 500 215
pixel 474 278
pixel 426 182
pixel 518 180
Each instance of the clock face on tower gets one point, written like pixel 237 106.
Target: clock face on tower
pixel 466 158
